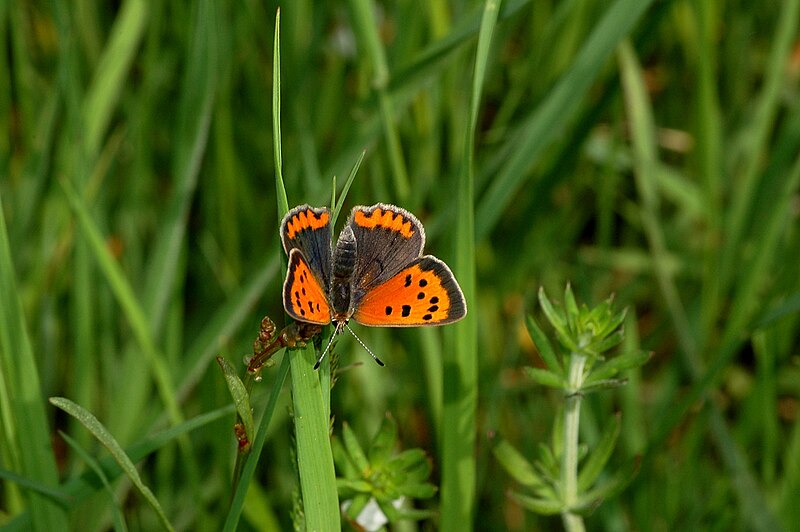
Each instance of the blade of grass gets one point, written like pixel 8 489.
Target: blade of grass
pixel 367 34
pixel 235 511
pixel 749 493
pixel 461 354
pixel 103 436
pixel 116 511
pixel 643 137
pixel 86 485
pixel 283 201
pixel 58 495
pixel 543 126
pixel 343 196
pixel 195 110
pixel 127 300
pixel 709 152
pixel 25 424
pixel 223 324
pixel 645 165
pixel 114 65
pixel 314 455
pixel 761 127
pixel 430 61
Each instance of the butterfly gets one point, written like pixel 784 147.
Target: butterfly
pixel 375 273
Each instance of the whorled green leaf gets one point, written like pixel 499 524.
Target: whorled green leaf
pixel 544 346
pixel 344 465
pixel 241 399
pixel 545 377
pixel 547 465
pixel 572 311
pixel 423 490
pixel 538 505
pixel 606 384
pixel 350 487
pixel 414 514
pixel 610 488
pixel 413 464
pixel 387 506
pixel 516 465
pixel 407 459
pixel 617 364
pixel 555 317
pixel 607 343
pixel 384 442
pixel 599 456
pixel 354 450
pixel 616 321
pixel 357 504
pixel 97 429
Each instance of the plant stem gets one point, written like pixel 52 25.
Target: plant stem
pixel 569 458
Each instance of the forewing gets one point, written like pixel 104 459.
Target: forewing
pixel 309 229
pixel 303 294
pixel 388 239
pixel 423 293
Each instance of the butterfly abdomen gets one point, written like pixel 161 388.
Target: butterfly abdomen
pixel 344 261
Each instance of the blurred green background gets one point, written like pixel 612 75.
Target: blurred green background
pixel 647 149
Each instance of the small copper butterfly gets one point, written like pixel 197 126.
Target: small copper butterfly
pixel 375 273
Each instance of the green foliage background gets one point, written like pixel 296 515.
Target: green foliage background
pixel 647 149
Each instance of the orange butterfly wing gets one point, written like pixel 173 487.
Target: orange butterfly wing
pixel 303 296
pixel 423 293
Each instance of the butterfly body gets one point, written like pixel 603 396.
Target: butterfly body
pixel 375 273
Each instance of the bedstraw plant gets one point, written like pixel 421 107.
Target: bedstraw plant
pixel 566 479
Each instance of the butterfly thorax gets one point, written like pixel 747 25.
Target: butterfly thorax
pixel 344 261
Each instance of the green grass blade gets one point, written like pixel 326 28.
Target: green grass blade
pixel 750 495
pixel 116 510
pixel 24 421
pixel 113 68
pixel 283 202
pixel 224 324
pixel 644 146
pixel 364 25
pixel 314 455
pixel 127 300
pixel 58 495
pixel 81 488
pixel 346 188
pixel 645 164
pixel 544 125
pixel 760 128
pixel 430 62
pixel 235 511
pixel 461 355
pixel 709 150
pixel 94 426
pixel 195 110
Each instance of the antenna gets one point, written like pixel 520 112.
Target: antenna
pixel 378 360
pixel 337 331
